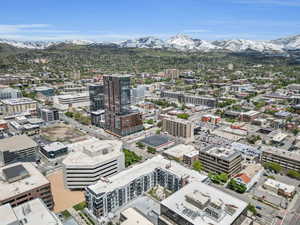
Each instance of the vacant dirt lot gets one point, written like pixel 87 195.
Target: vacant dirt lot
pixel 62 132
pixel 63 197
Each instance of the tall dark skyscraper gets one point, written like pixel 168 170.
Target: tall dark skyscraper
pixel 119 118
pixel 96 92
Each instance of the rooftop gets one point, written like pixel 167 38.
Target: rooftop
pixel 33 212
pixel 133 217
pixel 17 143
pixel 55 146
pixel 179 150
pixel 126 176
pixel 34 180
pixel 156 140
pixel 92 151
pixel 192 200
pixel 279 185
pixel 222 153
pixel 280 152
pixel 18 101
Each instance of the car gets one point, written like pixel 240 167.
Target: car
pixel 258 215
pixel 258 207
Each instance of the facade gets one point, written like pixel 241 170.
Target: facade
pixel 54 150
pixel 22 182
pixel 177 152
pixel 48 115
pixel 18 105
pixel 17 148
pixel 288 160
pixel 91 160
pixel 200 204
pixel 190 99
pixel 138 94
pixel 45 91
pixel 96 92
pixel 191 157
pixel 33 212
pixel 10 93
pixel 108 195
pixel 98 118
pixel 119 118
pixel 178 128
pixel 64 102
pixel 221 160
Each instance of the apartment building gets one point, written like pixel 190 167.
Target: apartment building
pixel 33 212
pixel 190 99
pixel 17 148
pixel 22 182
pixel 90 160
pixel 178 128
pixel 120 119
pixel 96 92
pixel 108 195
pixel 200 204
pixel 48 115
pixel 54 150
pixel 18 105
pixel 64 102
pixel 221 160
pixel 288 160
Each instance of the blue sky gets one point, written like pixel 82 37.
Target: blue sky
pixel 113 20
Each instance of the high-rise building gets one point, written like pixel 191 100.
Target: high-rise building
pixel 96 92
pixel 119 118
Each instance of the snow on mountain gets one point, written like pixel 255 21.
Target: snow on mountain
pixel 184 42
pixel 180 42
pixel 289 43
pixel 27 44
pixel 241 45
pixel 144 42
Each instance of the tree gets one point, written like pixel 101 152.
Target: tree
pixel 233 185
pixel 140 145
pixel 252 209
pixel 184 116
pixel 197 165
pixel 273 166
pixel 151 150
pixel 131 157
pixel 157 131
pixel 223 177
pixel 293 174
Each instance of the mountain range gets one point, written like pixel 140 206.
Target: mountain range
pixel 179 42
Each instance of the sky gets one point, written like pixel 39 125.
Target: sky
pixel 115 20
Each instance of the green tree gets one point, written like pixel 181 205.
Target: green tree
pixel 140 145
pixel 293 174
pixel 273 166
pixel 197 165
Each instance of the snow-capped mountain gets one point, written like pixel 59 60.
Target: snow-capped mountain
pixel 179 42
pixel 241 45
pixel 184 42
pixel 144 42
pixel 290 43
pixel 27 44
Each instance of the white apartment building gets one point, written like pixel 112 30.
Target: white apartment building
pixel 90 160
pixel 63 102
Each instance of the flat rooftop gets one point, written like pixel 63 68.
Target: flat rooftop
pixel 126 176
pixel 92 151
pixel 33 212
pixel 55 146
pixel 134 218
pixel 18 101
pixel 180 150
pixel 280 185
pixel 17 143
pixel 222 153
pixel 34 180
pixel 156 140
pixel 282 153
pixel 231 207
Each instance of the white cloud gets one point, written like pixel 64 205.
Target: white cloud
pixel 15 28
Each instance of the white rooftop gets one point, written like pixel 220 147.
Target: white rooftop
pixel 126 176
pixel 134 218
pixel 279 185
pixel 92 151
pixel 33 212
pixel 18 101
pixel 180 150
pixel 17 143
pixel 36 179
pixel 203 193
pixel 55 146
